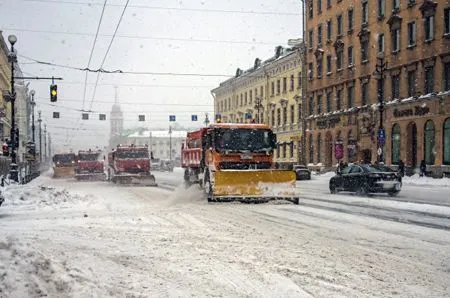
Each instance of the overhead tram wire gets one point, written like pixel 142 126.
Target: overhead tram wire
pixel 176 8
pixel 92 51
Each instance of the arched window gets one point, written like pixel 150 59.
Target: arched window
pixel 446 142
pixel 319 148
pixel 311 151
pixel 395 144
pixel 429 142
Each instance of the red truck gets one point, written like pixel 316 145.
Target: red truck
pixel 130 164
pixel 90 166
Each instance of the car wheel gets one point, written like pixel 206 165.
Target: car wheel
pixel 393 193
pixel 333 189
pixel 362 190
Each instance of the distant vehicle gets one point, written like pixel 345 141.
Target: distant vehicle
pixel 166 165
pixel 90 166
pixel 302 172
pixel 364 179
pixel 64 165
pixel 155 164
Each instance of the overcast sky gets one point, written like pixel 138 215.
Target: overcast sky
pixel 202 37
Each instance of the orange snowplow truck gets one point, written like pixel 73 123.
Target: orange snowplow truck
pixel 234 162
pixel 64 165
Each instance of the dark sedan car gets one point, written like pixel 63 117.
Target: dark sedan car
pixel 302 172
pixel 365 179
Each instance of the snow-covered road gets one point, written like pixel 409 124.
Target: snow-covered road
pixel 93 239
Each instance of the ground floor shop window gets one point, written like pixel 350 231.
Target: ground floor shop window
pixel 291 149
pixel 446 142
pixel 429 142
pixel 319 148
pixel 311 152
pixel 351 148
pixel 395 144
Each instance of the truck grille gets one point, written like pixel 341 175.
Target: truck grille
pixel 244 166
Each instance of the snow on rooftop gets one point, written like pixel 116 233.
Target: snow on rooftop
pixel 159 134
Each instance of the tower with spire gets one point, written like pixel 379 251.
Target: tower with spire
pixel 116 123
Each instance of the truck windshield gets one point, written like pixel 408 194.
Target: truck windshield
pixel 131 154
pixel 243 139
pixel 64 158
pixel 88 157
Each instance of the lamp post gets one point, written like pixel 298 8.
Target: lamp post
pixel 170 144
pixel 206 119
pixel 40 136
pixel 12 58
pixel 258 106
pixel 45 142
pixel 33 104
pixel 381 138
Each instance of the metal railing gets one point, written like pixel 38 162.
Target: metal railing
pixel 27 171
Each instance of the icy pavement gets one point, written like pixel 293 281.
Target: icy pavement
pixel 101 240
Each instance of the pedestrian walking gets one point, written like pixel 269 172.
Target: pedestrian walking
pixel 423 168
pixel 401 168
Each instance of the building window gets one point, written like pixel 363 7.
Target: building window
pixel 310 71
pixel 278 117
pixel 411 34
pixel 411 83
pixel 291 150
pixel 319 35
pixel 381 43
pixel 319 148
pixel 299 113
pixel 447 21
pixel 278 86
pixel 429 28
pixel 310 10
pixel 380 88
pixel 251 96
pixel 339 59
pixel 245 98
pixel 311 151
pixel 395 82
pixel 395 40
pixel 319 68
pixel 365 12
pixel 319 6
pixel 350 20
pixel 261 91
pixel 364 93
pixel 329 64
pixel 329 94
pixel 381 8
pixel 350 96
pixel 241 100
pixel 311 39
pixel 329 29
pixel 429 79
pixel 319 104
pixel 429 142
pixel 284 85
pixel 273 118
pixel 273 88
pixel 284 115
pixel 328 3
pixel 350 55
pixel 446 142
pixel 447 76
pixel 292 114
pixel 395 5
pixel 395 144
pixel 339 25
pixel 292 83
pixel 411 2
pixel 311 105
pixel 278 150
pixel 299 83
pixel 284 150
pixel 364 50
pixel 338 99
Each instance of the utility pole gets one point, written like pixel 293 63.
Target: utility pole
pixel 14 136
pixel 170 144
pixel 258 106
pixel 40 136
pixel 381 138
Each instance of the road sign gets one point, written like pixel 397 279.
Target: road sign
pixel 172 118
pixel 380 151
pixel 381 136
pixel 141 117
pixel 194 117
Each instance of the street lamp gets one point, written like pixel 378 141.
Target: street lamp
pixel 40 136
pixel 381 138
pixel 45 142
pixel 12 58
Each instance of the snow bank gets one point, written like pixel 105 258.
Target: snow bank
pixel 40 196
pixel 425 181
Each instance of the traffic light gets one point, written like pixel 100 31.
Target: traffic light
pixel 53 92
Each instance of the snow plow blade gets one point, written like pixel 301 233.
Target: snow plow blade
pixel 135 180
pixel 254 185
pixel 63 172
pixel 91 177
